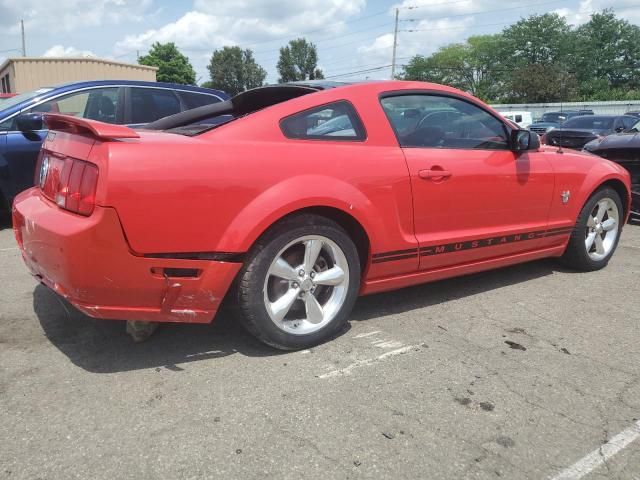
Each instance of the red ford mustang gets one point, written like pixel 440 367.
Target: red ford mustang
pixel 298 198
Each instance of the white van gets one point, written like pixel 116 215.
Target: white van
pixel 522 118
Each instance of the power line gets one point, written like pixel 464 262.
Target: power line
pixel 479 12
pixel 368 70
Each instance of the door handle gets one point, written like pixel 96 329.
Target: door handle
pixel 434 173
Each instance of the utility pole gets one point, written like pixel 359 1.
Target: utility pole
pixel 395 44
pixel 24 49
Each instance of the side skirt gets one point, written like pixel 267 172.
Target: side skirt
pixel 415 278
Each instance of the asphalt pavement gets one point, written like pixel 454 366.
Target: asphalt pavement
pixel 528 372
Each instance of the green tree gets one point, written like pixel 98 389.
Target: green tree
pixel 538 39
pixel 298 61
pixel 608 55
pixel 234 70
pixel 538 83
pixel 472 66
pixel 172 65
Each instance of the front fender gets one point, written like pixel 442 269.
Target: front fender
pixel 603 172
pixel 293 194
pixel 581 181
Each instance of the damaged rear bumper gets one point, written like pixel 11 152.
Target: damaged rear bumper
pixel 87 260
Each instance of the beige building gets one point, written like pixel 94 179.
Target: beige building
pixel 19 75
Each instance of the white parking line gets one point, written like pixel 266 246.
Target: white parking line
pixel 600 455
pixel 362 335
pixel 369 361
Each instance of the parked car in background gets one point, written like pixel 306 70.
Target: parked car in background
pixel 551 120
pixel 291 220
pixel 133 103
pixel 521 118
pixel 633 113
pixel 624 149
pixel 578 131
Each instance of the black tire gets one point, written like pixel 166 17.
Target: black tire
pixel 576 255
pixel 250 283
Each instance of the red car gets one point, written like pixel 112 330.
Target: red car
pixel 299 198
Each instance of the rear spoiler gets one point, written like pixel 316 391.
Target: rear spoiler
pixel 106 131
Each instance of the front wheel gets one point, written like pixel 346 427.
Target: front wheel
pixel 597 232
pixel 299 283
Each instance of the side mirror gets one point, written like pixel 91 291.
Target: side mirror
pixel 29 122
pixel 620 129
pixel 522 140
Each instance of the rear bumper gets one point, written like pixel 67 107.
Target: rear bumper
pixel 87 260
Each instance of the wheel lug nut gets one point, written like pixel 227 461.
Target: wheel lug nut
pixel 312 274
pixel 294 284
pixel 301 272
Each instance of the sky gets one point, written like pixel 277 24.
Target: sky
pixel 354 37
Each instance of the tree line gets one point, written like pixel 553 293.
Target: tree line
pixel 540 59
pixel 233 69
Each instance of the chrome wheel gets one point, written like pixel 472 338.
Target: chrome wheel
pixel 306 284
pixel 601 232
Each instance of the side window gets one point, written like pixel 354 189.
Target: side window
pixel 96 104
pixel 149 104
pixel 628 122
pixel 195 100
pixel 335 121
pixel 443 122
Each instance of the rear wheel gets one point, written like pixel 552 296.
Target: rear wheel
pixel 299 283
pixel 597 231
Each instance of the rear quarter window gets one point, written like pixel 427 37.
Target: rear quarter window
pixel 195 100
pixel 333 121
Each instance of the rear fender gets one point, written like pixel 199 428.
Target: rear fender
pixel 303 191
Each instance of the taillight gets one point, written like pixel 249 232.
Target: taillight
pixel 70 183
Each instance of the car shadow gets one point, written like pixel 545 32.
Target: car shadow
pixel 101 346
pixel 429 294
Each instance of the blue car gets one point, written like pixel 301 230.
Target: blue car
pixel 130 103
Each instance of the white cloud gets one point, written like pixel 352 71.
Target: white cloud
pixel 626 9
pixel 69 15
pixel 214 24
pixel 62 51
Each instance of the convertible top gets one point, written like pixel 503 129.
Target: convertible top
pixel 242 104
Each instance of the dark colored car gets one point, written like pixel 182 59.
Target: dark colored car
pixel 578 131
pixel 633 113
pixel 112 101
pixel 624 149
pixel 551 120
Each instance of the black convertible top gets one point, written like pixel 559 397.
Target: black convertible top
pixel 242 104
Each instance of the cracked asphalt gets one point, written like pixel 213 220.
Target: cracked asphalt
pixel 516 373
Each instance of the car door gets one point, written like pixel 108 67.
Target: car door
pixel 474 198
pixel 21 150
pixel 4 169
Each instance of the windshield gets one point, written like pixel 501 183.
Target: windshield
pixel 590 122
pixel 555 117
pixel 10 102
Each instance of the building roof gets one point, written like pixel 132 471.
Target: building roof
pixel 74 59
